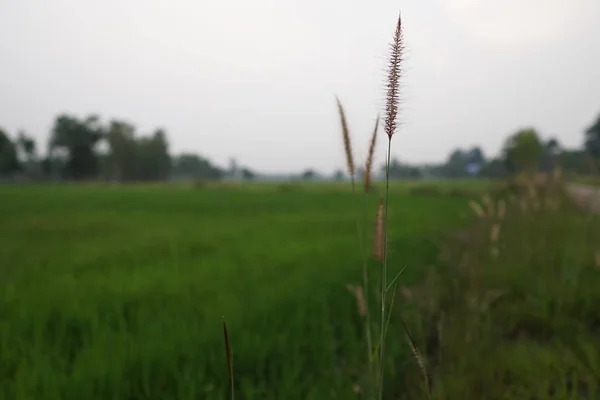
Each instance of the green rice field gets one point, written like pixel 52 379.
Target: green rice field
pixel 111 292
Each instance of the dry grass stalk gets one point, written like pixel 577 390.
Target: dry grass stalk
pixel 487 201
pixel 476 209
pixel 347 142
pixel 361 304
pixel 501 209
pixel 418 357
pixel 369 163
pixel 378 245
pixel 229 359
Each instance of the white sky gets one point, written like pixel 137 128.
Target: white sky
pixel 256 80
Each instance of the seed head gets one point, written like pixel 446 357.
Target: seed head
pixel 393 81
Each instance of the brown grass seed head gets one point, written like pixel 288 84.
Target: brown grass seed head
pixel 346 138
pixel 476 208
pixel 370 156
pixel 393 81
pixel 378 242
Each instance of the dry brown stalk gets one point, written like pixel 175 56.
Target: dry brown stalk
pixel 369 163
pixel 418 356
pixel 501 209
pixel 229 358
pixel 361 304
pixel 489 204
pixel 347 143
pixel 379 240
pixel 476 208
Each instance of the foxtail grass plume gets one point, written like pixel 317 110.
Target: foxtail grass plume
pixel 476 208
pixel 501 209
pixel 489 204
pixel 347 143
pixel 369 163
pixel 393 81
pixel 418 356
pixel 378 245
pixel 361 304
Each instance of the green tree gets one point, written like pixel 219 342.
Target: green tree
pixel 309 175
pixel 122 158
pixel 188 165
pixel 79 139
pixel 132 158
pixel 592 138
pixel 576 161
pixel 248 174
pixel 475 155
pixel 338 175
pixel 154 162
pixel 551 151
pixel 523 151
pixel 9 161
pixel 27 147
pixel 455 166
pixel 399 170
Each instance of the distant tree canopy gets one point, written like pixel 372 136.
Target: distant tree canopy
pixel 338 175
pixel 592 139
pixel 193 166
pixel 27 146
pixel 309 174
pixel 78 138
pixel 399 170
pixel 248 174
pixel 73 154
pixel 523 151
pixel 76 152
pixel 9 161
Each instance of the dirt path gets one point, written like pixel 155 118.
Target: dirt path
pixel 586 196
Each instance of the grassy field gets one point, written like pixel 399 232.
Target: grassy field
pixel 118 293
pixel 115 292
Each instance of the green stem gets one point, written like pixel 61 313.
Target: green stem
pixel 365 274
pixel 364 253
pixel 384 271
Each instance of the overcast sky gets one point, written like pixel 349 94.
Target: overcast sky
pixel 257 79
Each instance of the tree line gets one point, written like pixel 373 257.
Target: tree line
pixel 74 153
pixel 525 150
